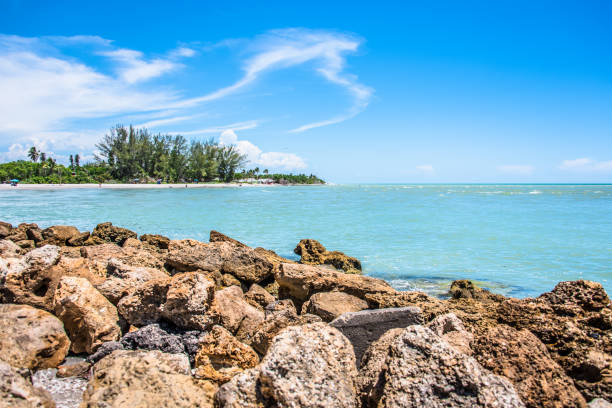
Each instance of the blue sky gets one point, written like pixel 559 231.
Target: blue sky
pixel 351 91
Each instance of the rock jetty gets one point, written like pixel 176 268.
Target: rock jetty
pixel 109 318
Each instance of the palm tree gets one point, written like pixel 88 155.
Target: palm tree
pixel 33 154
pixel 43 157
pixel 77 160
pixel 71 162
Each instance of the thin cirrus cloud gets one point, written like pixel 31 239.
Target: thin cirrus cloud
pixel 585 164
pixel 425 169
pixel 50 95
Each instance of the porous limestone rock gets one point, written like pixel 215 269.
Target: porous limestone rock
pixel 156 240
pixel 59 235
pixel 122 278
pixel 278 315
pixel 258 296
pixel 364 327
pixel 216 236
pixel 89 318
pixel 188 300
pixel 144 304
pixel 146 379
pixel 221 356
pixel 299 282
pixel 18 392
pixel 313 253
pixel 306 366
pixel 129 255
pixel 519 356
pixel 329 305
pixel 414 367
pixel 8 249
pixel 5 229
pixel 241 261
pixel 234 313
pixel 107 232
pixel 153 337
pixel 31 338
pixel 451 329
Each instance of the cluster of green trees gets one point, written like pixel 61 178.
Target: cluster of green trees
pixel 132 153
pixel 128 153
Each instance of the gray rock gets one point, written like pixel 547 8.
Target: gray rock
pixel 414 367
pixel 104 350
pixel 17 391
pixel 191 342
pixel 364 327
pixel 153 337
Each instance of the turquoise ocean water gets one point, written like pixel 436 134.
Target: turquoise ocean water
pixel 518 240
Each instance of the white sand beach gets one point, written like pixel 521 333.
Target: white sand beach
pixel 128 186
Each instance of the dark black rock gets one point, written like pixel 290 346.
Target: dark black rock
pixel 104 350
pixel 191 341
pixel 153 337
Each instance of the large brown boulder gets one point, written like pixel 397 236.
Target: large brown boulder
pixel 143 305
pixel 188 301
pixel 329 305
pixel 216 236
pixel 146 379
pixel 121 279
pixel 89 318
pixel 31 338
pixel 9 249
pixel 156 240
pixel 232 311
pixel 243 262
pixel 300 282
pixel 313 253
pixel 574 322
pixel 145 257
pixel 413 367
pixel 17 392
pixel 5 229
pixel 107 232
pixel 306 366
pixel 59 235
pixel 519 356
pixel 221 356
pixel 25 232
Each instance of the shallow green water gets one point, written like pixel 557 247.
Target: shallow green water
pixel 519 240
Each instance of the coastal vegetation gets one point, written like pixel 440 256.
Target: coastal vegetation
pixel 129 155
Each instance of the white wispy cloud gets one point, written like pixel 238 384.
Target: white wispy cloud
pixel 132 67
pixel 519 169
pixel 585 164
pixel 276 160
pixel 281 49
pixel 217 129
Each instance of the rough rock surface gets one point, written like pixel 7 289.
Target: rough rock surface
pixel 221 356
pixel 145 379
pixel 313 253
pixel 143 305
pixel 299 282
pixel 574 321
pixel 258 296
pixel 66 392
pixel 188 300
pixel 524 360
pixel 306 366
pixel 156 240
pixel 242 262
pixel 17 392
pixel 329 305
pixel 8 249
pixel 235 314
pixel 107 232
pixel 364 327
pixel 129 255
pixel 465 289
pixel 153 337
pixel 5 229
pixel 451 329
pixel 216 236
pixel 414 367
pixel 31 338
pixel 278 315
pixel 89 318
pixel 122 278
pixel 59 235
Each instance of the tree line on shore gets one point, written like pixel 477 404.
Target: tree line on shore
pixel 128 154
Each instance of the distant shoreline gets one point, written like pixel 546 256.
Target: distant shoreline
pixel 4 187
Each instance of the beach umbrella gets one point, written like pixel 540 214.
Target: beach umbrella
pixel 14 181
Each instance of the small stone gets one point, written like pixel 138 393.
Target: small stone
pixel 329 305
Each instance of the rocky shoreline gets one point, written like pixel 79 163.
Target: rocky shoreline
pixel 111 319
